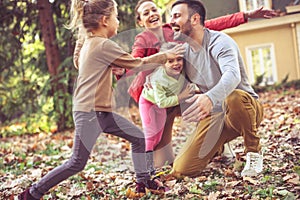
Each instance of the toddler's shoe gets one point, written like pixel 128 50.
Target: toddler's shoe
pixel 153 184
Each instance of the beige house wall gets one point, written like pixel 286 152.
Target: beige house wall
pixel 298 40
pixel 283 32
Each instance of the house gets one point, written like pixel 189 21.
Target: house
pixel 270 47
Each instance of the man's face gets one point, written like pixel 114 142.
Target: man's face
pixel 180 22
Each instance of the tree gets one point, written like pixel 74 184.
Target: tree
pixel 48 32
pixel 37 73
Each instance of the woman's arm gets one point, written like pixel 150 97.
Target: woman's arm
pixel 227 21
pixel 233 20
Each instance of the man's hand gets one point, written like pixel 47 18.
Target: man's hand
pixel 201 107
pixel 261 13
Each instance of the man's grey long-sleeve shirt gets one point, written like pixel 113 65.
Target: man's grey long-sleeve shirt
pixel 217 68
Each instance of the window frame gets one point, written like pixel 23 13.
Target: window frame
pixel 243 5
pixel 249 60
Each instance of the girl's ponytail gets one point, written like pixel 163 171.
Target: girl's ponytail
pixel 76 13
pixel 85 14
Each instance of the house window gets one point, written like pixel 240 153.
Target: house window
pixel 246 5
pixel 261 64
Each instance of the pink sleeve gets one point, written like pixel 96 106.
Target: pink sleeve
pixel 137 85
pixel 227 21
pixel 138 48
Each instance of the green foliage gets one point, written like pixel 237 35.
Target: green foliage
pixel 265 179
pixel 249 189
pixel 196 190
pixel 28 103
pixel 210 186
pixel 265 193
pixel 25 101
pixel 283 84
pixel 297 168
pixel 259 79
pixel 63 98
pixel 162 4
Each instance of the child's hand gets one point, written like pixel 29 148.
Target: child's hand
pixel 188 91
pixel 178 50
pixel 118 71
pixel 147 83
pixel 195 88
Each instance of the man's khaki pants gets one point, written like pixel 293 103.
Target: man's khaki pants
pixel 243 114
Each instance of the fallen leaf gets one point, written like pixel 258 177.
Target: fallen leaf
pixel 213 195
pixel 294 181
pixel 250 180
pixel 89 186
pixel 232 184
pixel 171 183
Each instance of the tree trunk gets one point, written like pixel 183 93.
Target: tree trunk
pixel 48 36
pixel 53 58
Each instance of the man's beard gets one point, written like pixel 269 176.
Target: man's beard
pixel 185 34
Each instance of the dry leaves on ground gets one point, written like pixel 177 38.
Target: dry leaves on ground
pixel 109 172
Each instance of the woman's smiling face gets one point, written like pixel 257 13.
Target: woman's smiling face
pixel 149 15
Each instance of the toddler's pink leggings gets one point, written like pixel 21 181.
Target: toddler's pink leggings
pixel 153 122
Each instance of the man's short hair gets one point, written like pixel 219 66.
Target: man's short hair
pixel 194 6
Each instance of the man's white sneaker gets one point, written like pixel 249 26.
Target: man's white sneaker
pixel 227 152
pixel 254 164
